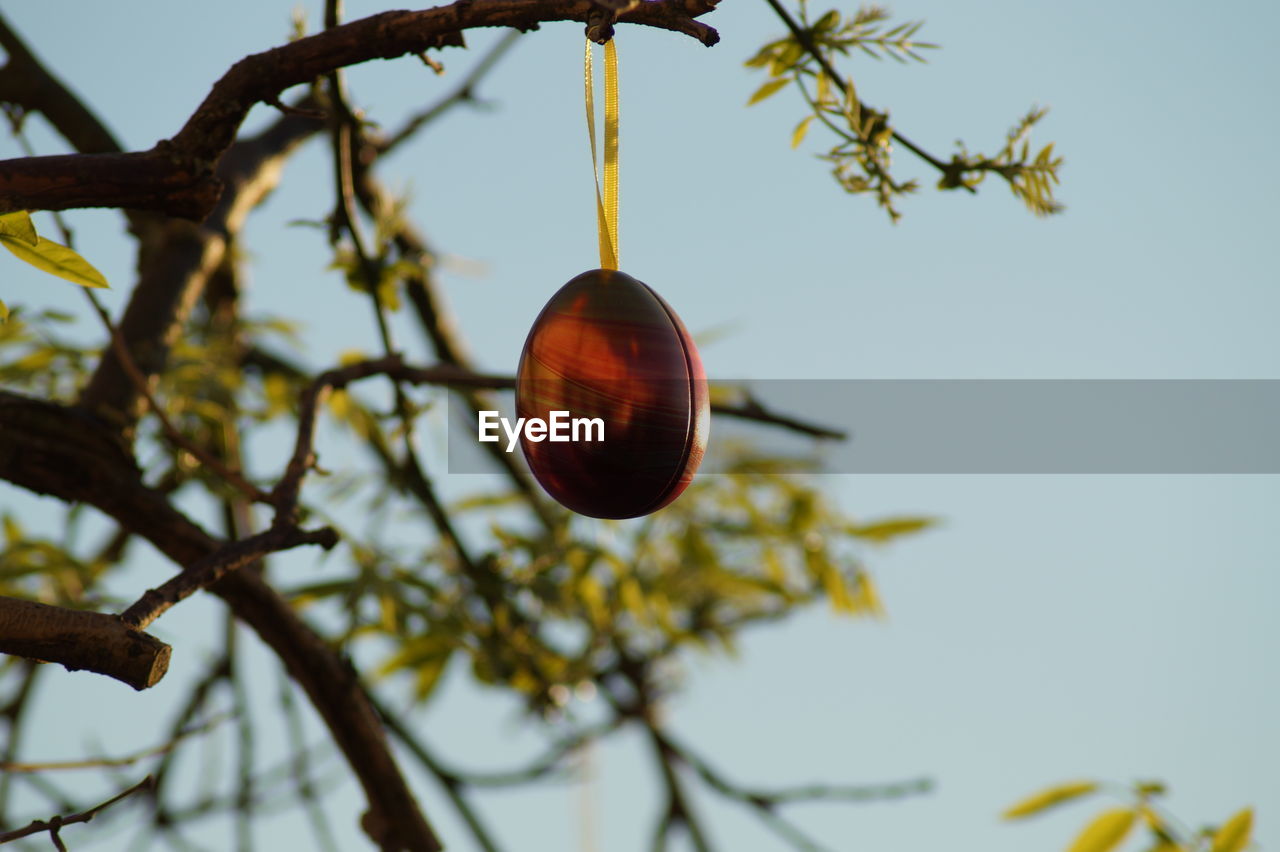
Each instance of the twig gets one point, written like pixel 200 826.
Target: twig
pixel 543 766
pixel 286 109
pixel 441 330
pixel 212 568
pixel 766 802
pixel 197 697
pixel 176 261
pixel 115 762
pixel 247 792
pixel 285 494
pixel 13 714
pixel 463 93
pixel 450 781
pixel 55 824
pixel 300 769
pixel 346 135
pixel 679 812
pixel 176 438
pixel 751 409
pixel 804 40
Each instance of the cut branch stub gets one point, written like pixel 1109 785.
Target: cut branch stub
pixel 79 639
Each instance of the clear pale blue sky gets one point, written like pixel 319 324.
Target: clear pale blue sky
pixel 1054 627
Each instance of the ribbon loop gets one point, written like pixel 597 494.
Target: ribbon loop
pixel 606 189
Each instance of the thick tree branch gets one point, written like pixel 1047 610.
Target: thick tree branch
pixel 178 175
pixel 153 180
pixel 79 639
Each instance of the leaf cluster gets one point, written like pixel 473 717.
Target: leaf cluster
pixel 546 610
pixel 1111 827
pixel 861 156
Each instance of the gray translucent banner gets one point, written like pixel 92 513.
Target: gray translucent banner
pixel 971 426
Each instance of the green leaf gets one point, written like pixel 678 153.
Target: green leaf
pixel 1106 832
pixel 12 530
pixel 1046 799
pixel 827 22
pixel 823 88
pixel 56 260
pixel 4 311
pixel 797 136
pixel 1234 835
pixel 768 89
pixel 426 657
pixel 18 226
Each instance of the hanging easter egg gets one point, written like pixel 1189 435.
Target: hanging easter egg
pixel 610 367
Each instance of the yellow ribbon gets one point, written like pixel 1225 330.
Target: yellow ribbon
pixel 606 201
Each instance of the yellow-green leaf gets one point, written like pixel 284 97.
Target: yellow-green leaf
pixel 17 225
pixel 802 128
pixel 833 584
pixel 1106 832
pixel 1234 835
pixel 866 596
pixel 1048 798
pixel 4 311
pixel 824 87
pixel 56 260
pixel 12 531
pixel 882 531
pixel 768 89
pixel 827 21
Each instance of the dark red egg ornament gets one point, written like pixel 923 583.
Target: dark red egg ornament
pixel 608 347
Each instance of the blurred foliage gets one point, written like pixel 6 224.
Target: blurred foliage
pixel 543 607
pixel 38 354
pixel 538 603
pixel 1141 814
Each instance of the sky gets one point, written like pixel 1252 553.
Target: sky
pixel 1051 627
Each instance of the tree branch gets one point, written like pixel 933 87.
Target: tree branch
pixel 113 762
pixel 463 92
pixel 177 175
pixel 175 266
pixel 805 40
pixel 64 452
pixel 439 325
pixel 80 639
pixel 230 557
pixel 56 823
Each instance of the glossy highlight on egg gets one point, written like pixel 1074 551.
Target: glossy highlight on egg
pixel 608 346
